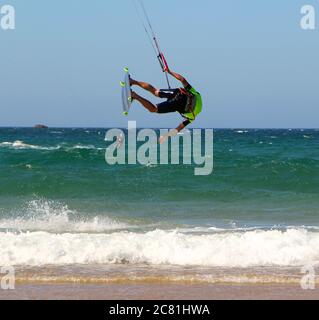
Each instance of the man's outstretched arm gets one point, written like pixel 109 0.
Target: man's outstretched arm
pixel 174 132
pixel 183 125
pixel 179 77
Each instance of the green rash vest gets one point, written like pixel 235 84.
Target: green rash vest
pixel 198 105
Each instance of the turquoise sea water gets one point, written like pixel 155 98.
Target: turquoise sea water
pixel 61 203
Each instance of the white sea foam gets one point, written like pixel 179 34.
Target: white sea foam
pixel 211 229
pixel 50 216
pixel 22 145
pixel 48 232
pixel 293 247
pixel 242 131
pixel 81 146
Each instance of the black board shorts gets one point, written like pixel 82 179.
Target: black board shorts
pixel 176 102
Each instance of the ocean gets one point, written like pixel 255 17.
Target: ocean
pixel 67 215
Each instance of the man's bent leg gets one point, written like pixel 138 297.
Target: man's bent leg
pixel 144 85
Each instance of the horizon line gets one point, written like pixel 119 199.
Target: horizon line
pixel 217 128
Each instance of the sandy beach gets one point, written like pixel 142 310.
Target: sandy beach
pixel 153 283
pixel 158 292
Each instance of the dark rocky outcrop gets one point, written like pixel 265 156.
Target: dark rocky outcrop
pixel 40 126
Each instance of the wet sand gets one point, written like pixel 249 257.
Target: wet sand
pixel 158 292
pixel 142 282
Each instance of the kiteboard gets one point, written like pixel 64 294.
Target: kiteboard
pixel 126 92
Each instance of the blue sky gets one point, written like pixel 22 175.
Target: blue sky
pixel 250 59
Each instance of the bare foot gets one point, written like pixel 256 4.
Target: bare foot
pixel 132 82
pixel 134 95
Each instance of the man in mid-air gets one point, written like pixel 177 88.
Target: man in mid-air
pixel 187 101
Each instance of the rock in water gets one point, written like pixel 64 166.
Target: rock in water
pixel 40 126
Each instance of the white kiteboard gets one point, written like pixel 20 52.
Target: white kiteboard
pixel 126 92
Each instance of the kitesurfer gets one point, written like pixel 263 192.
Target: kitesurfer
pixel 187 101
